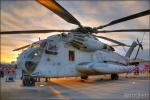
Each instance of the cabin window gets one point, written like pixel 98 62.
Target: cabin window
pixel 51 48
pixel 71 55
pixel 35 45
pixel 39 44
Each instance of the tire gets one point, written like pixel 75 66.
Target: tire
pixel 28 81
pixel 84 77
pixel 25 81
pixel 114 77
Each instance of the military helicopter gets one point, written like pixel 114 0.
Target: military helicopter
pixel 77 53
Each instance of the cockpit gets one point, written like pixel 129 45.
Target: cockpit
pixel 34 54
pixel 51 48
pixel 39 44
pixel 36 50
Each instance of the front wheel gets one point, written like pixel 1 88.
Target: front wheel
pixel 28 81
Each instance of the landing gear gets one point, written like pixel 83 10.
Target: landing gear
pixel 85 77
pixel 28 81
pixel 38 79
pixel 46 79
pixel 114 76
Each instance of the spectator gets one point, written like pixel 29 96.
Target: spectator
pixel 2 72
pixel 7 75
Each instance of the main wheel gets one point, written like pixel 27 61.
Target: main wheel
pixel 114 77
pixel 46 79
pixel 25 81
pixel 84 77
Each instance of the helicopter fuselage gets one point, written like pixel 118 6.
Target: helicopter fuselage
pixel 71 55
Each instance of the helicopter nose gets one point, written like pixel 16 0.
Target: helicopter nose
pixel 30 66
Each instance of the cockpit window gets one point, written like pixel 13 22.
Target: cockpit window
pixel 51 48
pixel 35 45
pixel 40 44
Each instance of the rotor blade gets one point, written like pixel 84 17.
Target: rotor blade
pixel 142 37
pixel 59 10
pixel 124 30
pixel 144 13
pixel 34 31
pixel 111 40
pixel 141 46
pixel 119 45
pixel 137 52
pixel 138 41
pixel 22 47
pixel 142 41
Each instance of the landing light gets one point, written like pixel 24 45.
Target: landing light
pixel 41 85
pixel 35 54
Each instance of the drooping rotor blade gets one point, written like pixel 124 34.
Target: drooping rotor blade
pixel 60 11
pixel 119 45
pixel 140 43
pixel 144 13
pixel 124 30
pixel 137 52
pixel 111 40
pixel 34 31
pixel 22 47
pixel 142 37
pixel 141 46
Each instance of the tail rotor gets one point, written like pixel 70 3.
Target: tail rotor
pixel 140 46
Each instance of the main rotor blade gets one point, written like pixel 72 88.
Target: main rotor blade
pixel 22 47
pixel 60 11
pixel 124 30
pixel 119 45
pixel 144 13
pixel 34 31
pixel 142 37
pixel 111 40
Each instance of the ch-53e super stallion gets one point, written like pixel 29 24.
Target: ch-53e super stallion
pixel 76 52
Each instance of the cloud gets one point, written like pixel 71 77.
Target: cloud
pixel 30 15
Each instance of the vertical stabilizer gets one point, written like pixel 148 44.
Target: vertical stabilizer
pixel 129 52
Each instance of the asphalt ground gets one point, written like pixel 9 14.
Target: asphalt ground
pixel 94 88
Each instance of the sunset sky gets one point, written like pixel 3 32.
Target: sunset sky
pixel 30 15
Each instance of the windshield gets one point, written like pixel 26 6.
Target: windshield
pixel 39 44
pixel 35 45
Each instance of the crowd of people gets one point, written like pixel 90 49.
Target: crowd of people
pixel 9 73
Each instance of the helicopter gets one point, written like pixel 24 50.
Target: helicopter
pixel 77 53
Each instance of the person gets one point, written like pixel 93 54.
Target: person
pixel 11 76
pixel 14 73
pixel 1 73
pixel 7 75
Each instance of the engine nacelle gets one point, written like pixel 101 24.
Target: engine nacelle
pixel 93 44
pixel 87 43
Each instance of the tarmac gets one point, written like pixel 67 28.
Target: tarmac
pixel 94 88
